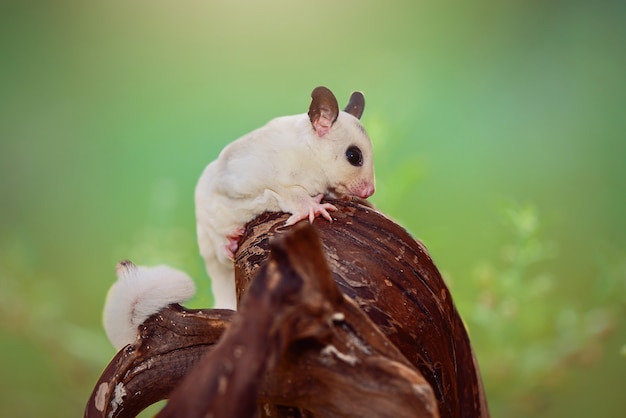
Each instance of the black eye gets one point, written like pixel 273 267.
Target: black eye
pixel 354 156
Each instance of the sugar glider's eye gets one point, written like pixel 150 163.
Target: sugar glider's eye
pixel 354 156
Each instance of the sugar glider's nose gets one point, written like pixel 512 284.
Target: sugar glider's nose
pixel 367 190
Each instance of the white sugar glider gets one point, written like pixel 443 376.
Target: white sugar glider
pixel 287 165
pixel 138 293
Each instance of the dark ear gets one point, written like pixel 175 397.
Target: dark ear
pixel 356 105
pixel 323 111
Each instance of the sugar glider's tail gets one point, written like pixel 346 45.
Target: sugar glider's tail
pixel 138 293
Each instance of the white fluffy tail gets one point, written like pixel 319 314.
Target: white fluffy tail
pixel 139 293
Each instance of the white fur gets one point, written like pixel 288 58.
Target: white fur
pixel 138 293
pixel 279 167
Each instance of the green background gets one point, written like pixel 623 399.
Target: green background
pixel 498 129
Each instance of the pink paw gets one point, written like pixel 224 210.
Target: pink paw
pixel 311 209
pixel 233 242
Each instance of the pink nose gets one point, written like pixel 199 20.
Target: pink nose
pixel 367 191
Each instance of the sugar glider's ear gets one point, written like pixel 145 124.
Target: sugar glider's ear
pixel 356 105
pixel 323 111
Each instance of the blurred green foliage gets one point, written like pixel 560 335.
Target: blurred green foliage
pixel 499 137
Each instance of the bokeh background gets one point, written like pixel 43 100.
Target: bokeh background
pixel 498 129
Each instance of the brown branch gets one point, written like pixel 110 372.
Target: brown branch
pixel 293 315
pixel 168 345
pixel 306 350
pixel 393 279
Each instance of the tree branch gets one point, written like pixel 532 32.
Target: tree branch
pixel 359 325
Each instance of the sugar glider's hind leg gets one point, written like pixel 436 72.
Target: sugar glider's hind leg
pixel 217 248
pixel 222 274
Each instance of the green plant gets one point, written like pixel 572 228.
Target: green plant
pixel 527 333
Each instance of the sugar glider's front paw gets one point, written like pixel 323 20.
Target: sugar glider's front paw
pixel 311 208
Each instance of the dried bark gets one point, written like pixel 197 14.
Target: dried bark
pixel 298 346
pixel 393 279
pixel 169 343
pixel 323 356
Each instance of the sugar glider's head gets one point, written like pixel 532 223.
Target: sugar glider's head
pixel 342 143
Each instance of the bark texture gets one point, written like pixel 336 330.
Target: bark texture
pixel 349 318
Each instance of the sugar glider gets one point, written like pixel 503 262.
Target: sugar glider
pixel 138 293
pixel 288 165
